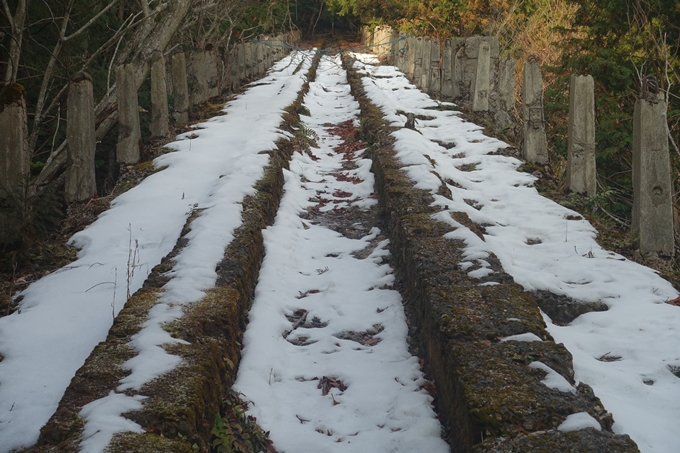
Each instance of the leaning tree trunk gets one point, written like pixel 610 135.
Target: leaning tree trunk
pixel 143 44
pixel 17 33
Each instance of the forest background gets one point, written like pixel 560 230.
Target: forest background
pixel 43 43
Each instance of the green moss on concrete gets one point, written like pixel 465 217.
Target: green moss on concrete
pixel 486 390
pixel 149 443
pixel 583 441
pixel 181 406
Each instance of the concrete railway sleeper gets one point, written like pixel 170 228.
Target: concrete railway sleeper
pixel 325 364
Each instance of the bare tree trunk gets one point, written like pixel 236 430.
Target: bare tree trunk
pixel 16 22
pixel 145 42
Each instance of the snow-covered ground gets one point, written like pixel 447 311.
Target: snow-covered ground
pixel 64 315
pixel 368 388
pixel 640 389
pixel 345 383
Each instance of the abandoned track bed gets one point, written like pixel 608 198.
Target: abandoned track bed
pixel 345 206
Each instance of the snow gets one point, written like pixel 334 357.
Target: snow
pixel 103 416
pixel 579 420
pixel 384 407
pixel 639 389
pixel 64 315
pixel 553 379
pixel 376 398
pixel 528 336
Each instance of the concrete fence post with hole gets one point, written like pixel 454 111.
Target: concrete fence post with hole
pixel 652 188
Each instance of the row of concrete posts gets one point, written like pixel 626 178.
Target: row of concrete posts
pixel 652 214
pixel 189 80
pixel 469 71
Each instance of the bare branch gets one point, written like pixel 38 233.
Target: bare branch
pixel 91 21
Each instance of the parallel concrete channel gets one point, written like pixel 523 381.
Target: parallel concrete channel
pixel 489 399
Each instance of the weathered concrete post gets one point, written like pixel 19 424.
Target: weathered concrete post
pixel 259 55
pixel 180 89
pixel 212 76
pixel 458 71
pixel 198 80
pixel 129 135
pixel 402 49
pixel 506 93
pixel 242 62
pixel 447 69
pixel 410 56
pixel 480 94
pixel 15 156
pixel 159 96
pixel 581 173
pixel 232 68
pixel 427 63
pixel 248 60
pixel 435 80
pixel 535 145
pixel 652 190
pixel 418 61
pixel 266 62
pixel 80 181
pixel 254 65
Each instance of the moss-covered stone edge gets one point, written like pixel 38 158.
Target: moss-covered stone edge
pixel 179 411
pixel 488 395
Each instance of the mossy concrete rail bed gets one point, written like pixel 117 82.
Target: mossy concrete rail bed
pixel 490 398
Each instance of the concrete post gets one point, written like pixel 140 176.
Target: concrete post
pixel 129 135
pixel 180 89
pixel 14 154
pixel 581 173
pixel 248 60
pixel 418 62
pixel 652 189
pixel 402 49
pixel 241 62
pixel 458 72
pixel 480 94
pixel 266 62
pixel 212 79
pixel 159 96
pixel 535 146
pixel 410 56
pixel 254 65
pixel 394 46
pixel 198 80
pixel 15 157
pixel 232 68
pixel 427 64
pixel 506 94
pixel 80 183
pixel 435 79
pixel 506 85
pixel 447 69
pixel 259 55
